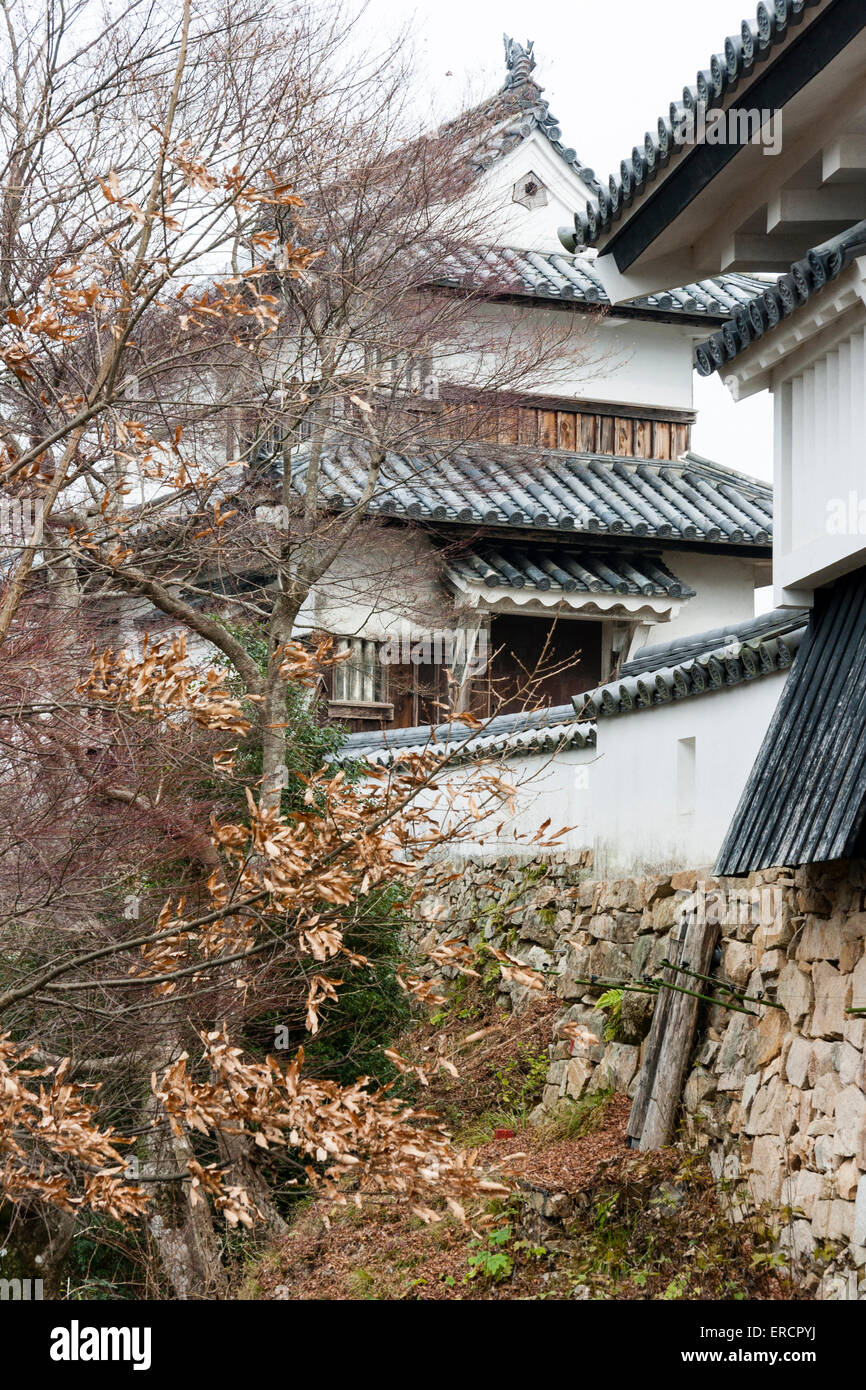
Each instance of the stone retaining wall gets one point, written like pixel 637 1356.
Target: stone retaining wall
pixel 777 1097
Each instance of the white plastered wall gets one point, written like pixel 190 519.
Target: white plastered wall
pixel 657 792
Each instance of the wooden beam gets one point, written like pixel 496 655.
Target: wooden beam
pixel 623 438
pixel 548 429
pixel 845 160
pixel 566 422
pixel 652 1051
pixel 579 405
pixel 643 439
pixel 679 1033
pixel 804 207
pixel 508 425
pixel 527 427
pixel 669 1045
pixel 680 439
pixel 661 440
pixel 586 434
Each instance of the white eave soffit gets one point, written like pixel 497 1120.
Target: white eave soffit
pixel 541 602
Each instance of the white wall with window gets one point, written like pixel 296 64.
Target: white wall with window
pixel 658 792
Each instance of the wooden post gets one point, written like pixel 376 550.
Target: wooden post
pixel 654 1042
pixel 651 1122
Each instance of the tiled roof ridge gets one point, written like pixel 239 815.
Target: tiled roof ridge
pixel 723 666
pixel 520 63
pixel 790 292
pixel 742 54
pixel 522 108
pixel 657 655
pixel 547 729
pixel 721 470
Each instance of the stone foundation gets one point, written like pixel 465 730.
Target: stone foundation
pixel 777 1096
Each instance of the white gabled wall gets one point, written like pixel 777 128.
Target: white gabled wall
pixel 629 361
pixel 646 815
pixel 528 229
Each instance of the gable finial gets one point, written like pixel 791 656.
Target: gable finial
pixel 519 61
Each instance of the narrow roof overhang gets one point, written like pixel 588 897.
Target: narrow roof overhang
pixel 791 345
pixel 716 207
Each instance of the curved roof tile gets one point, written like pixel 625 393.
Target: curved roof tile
pixel 764 311
pixel 555 275
pixel 726 665
pixel 503 565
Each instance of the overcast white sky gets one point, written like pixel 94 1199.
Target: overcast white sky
pixel 608 70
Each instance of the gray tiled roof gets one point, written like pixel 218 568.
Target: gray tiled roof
pixel 660 654
pixel 551 490
pixel 805 799
pixel 778 301
pixel 743 54
pixel 588 571
pixel 555 275
pixel 538 730
pixel 713 668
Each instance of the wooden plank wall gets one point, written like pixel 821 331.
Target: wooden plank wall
pixel 592 433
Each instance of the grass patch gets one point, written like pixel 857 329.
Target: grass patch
pixel 572 1119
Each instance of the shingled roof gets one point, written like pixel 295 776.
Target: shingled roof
pixel 778 622
pixel 554 275
pixel 780 300
pixel 744 53
pixel 805 800
pixel 537 731
pixel 481 484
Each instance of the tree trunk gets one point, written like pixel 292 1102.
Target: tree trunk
pixel 35 1238
pixel 245 1173
pixel 183 1234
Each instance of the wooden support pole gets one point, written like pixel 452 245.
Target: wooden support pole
pixel 653 1048
pixel 651 1122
